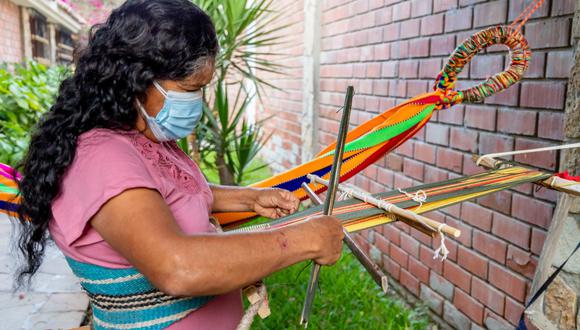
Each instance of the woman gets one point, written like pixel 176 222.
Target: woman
pixel 126 206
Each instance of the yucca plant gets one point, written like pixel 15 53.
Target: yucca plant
pixel 245 29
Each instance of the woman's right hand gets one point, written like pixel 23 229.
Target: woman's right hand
pixel 327 233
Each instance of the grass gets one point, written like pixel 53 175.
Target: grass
pixel 348 298
pixel 257 171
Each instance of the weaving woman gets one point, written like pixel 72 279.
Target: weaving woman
pixel 106 181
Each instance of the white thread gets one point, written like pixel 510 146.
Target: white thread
pixel 420 196
pixel 518 152
pixel 442 249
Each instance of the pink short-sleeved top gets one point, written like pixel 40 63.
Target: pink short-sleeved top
pixel 108 162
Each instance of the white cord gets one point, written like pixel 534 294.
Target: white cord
pixel 442 250
pixel 518 152
pixel 420 196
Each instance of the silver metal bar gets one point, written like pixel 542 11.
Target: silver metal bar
pixel 330 196
pixel 372 268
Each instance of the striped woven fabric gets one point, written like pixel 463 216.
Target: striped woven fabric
pixel 358 215
pixel 125 299
pixel 8 190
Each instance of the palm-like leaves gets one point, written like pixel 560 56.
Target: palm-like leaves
pixel 246 30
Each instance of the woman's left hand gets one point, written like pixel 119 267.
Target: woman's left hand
pixel 275 203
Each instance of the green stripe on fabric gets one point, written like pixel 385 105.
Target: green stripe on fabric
pixel 373 138
pixel 9 190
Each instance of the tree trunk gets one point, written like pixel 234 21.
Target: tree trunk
pixel 226 177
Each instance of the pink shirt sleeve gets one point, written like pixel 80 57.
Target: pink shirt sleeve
pixel 105 165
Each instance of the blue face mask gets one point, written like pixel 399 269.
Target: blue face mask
pixel 178 117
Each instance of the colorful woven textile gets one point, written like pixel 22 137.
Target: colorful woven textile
pixel 378 136
pixel 358 215
pixel 8 190
pixel 125 299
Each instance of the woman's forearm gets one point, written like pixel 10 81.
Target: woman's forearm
pixel 216 264
pixel 233 199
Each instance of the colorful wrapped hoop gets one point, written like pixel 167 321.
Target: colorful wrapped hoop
pixel 520 57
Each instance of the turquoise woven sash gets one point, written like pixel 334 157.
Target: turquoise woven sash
pixel 125 299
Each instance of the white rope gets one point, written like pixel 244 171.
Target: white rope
pixel 251 312
pixel 518 152
pixel 442 250
pixel 420 196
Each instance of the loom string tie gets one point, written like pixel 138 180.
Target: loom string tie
pixel 442 251
pixel 420 196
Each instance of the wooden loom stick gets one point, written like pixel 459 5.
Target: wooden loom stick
pixel 554 182
pixel 402 214
pixel 372 268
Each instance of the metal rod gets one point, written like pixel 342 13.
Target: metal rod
pixel 372 268
pixel 330 196
pixel 391 208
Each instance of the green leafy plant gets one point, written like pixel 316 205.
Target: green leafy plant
pixel 26 92
pixel 245 30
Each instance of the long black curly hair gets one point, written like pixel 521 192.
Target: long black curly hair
pixel 141 41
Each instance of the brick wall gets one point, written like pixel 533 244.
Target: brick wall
pixel 392 50
pixel 10 32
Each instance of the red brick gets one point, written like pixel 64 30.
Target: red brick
pixel 521 261
pixel 399 255
pixel 381 52
pixel 410 28
pixel 480 117
pixel 402 11
pixel 489 143
pixel 551 125
pixel 548 33
pixel 518 6
pixel 384 15
pixel 419 47
pixel 416 87
pixel 459 19
pixel 490 13
pixel 444 5
pixel 426 257
pixel 429 68
pixel 450 159
pixel 490 246
pixel 511 230
pixel 464 139
pixel 508 281
pixel 546 159
pixel 397 88
pixel 432 24
pixel 400 49
pixel 499 201
pixel 421 7
pixel 468 306
pixel 438 134
pixel 452 116
pixel 406 149
pixel 466 231
pixel 392 234
pixel 477 216
pixel 390 70
pixel 410 245
pixel 543 94
pixel 380 87
pixel 409 281
pixel 408 69
pixel 472 262
pixel 563 7
pixel 546 194
pixel 487 295
pixel 513 310
pixel 391 32
pixel 425 152
pixel 395 162
pixel 392 267
pixel 536 66
pixel 420 271
pixel 538 239
pixel 434 174
pixel 381 243
pixel 420 236
pixel 442 45
pixel 516 121
pixel 457 275
pixel 532 211
pixel 385 177
pixel 483 67
pixel 559 64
